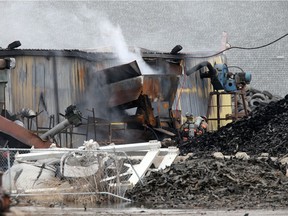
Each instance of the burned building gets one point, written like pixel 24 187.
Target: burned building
pixel 150 91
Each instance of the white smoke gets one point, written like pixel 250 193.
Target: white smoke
pixel 112 36
pixel 43 25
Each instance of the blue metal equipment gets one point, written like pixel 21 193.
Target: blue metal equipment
pixel 221 78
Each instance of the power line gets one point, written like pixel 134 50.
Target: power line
pixel 243 48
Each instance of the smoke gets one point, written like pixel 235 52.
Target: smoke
pixel 43 25
pixel 112 36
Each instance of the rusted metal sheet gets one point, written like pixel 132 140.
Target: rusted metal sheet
pixel 115 74
pixel 21 134
pixel 124 91
pixel 161 87
pixel 116 85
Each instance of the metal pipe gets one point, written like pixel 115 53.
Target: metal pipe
pixel 57 129
pixel 73 117
pixel 9 170
pixel 212 72
pixel 218 111
pixel 56 87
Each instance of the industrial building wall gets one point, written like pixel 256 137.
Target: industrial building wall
pixel 47 85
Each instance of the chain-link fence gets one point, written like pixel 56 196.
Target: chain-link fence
pixel 67 174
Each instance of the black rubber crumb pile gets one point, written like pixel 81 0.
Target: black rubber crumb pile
pixel 213 183
pixel 202 181
pixel 264 131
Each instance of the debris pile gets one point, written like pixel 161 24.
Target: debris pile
pixel 264 131
pixel 203 181
pixel 212 183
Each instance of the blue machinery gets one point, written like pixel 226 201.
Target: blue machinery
pixel 222 79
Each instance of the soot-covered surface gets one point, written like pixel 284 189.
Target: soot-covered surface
pixel 202 181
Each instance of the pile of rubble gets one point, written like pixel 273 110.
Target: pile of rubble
pixel 212 183
pixel 242 165
pixel 264 131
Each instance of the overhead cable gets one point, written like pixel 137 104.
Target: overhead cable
pixel 243 48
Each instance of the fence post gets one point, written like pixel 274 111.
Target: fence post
pixel 9 170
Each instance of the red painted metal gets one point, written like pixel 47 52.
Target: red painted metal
pixel 22 134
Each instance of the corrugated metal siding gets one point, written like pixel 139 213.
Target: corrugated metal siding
pixel 31 77
pixel 60 81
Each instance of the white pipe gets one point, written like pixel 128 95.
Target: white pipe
pixel 59 152
pixel 57 129
pixel 151 145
